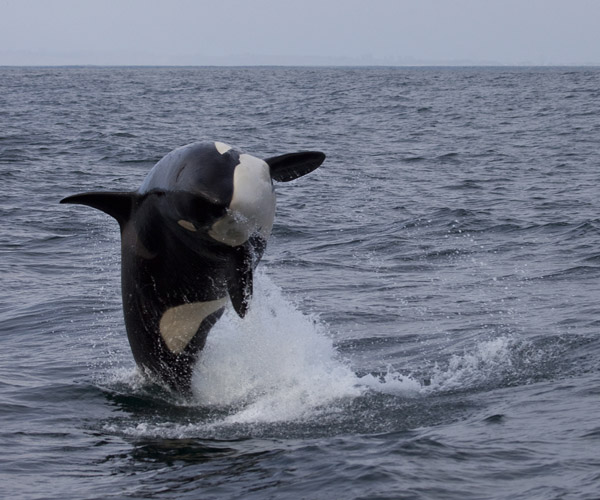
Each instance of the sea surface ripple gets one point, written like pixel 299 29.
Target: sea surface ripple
pixel 425 322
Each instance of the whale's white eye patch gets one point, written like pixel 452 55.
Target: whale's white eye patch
pixel 186 224
pixel 222 147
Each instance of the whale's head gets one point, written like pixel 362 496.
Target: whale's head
pixel 218 192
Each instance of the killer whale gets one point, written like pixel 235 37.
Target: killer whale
pixel 191 237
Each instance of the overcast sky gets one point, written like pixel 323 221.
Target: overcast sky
pixel 189 32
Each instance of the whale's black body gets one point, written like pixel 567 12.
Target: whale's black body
pixel 191 236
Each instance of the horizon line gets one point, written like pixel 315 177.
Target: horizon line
pixel 375 65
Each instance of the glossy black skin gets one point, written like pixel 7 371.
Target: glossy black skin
pixel 166 265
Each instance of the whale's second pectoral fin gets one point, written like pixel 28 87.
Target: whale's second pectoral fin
pixel 240 283
pixel 118 205
pixel 290 166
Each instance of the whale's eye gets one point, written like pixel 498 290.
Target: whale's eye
pixel 186 224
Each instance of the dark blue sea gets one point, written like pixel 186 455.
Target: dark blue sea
pixel 426 317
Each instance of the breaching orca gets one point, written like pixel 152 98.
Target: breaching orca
pixel 191 236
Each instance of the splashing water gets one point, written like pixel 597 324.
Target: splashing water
pixel 489 362
pixel 275 365
pixel 280 365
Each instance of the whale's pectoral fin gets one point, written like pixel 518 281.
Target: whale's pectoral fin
pixel 118 205
pixel 288 167
pixel 240 284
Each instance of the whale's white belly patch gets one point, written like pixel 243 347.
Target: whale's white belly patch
pixel 179 324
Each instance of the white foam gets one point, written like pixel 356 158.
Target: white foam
pixel 392 382
pixel 489 360
pixel 276 364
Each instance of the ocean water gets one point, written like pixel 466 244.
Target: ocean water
pixel 426 318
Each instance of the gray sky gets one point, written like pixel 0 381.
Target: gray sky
pixel 299 32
